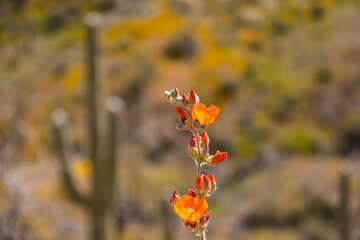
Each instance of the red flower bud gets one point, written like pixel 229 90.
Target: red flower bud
pixel 206 179
pixel 193 95
pixel 212 178
pixel 202 182
pixel 181 113
pixel 184 97
pixel 193 224
pixel 192 147
pixel 204 137
pixel 194 98
pixel 218 157
pixel 205 185
pixel 183 120
pixel 174 196
pixel 192 193
pixel 213 183
pixel 205 146
pixel 198 181
pixel 192 141
pixel 174 94
pixel 204 220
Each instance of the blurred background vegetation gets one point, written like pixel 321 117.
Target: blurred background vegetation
pixel 285 74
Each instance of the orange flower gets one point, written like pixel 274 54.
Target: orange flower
pixel 218 157
pixel 190 208
pixel 204 115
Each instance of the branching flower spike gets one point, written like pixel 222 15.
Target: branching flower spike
pixel 195 117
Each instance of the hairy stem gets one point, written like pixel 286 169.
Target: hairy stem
pixel 198 166
pixel 203 236
pixel 185 110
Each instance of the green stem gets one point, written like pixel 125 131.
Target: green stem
pixel 203 236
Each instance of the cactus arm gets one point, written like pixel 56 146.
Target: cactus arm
pixel 58 120
pixel 114 106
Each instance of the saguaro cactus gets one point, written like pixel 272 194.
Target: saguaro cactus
pixel 102 158
pixel 344 214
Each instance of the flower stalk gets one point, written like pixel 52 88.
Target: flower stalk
pixel 195 117
pixel 203 236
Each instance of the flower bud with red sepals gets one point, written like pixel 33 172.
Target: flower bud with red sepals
pixel 212 183
pixel 198 182
pixel 183 116
pixel 193 140
pixel 194 98
pixel 192 147
pixel 204 147
pixel 202 184
pixel 206 182
pixel 217 158
pixel 185 100
pixel 174 92
pixel 181 113
pixel 193 224
pixel 175 96
pixel 174 196
pixel 192 193
pixel 204 220
pixel 204 137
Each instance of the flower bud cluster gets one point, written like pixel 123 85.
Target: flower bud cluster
pixel 205 185
pixel 199 153
pixel 173 96
pixel 184 104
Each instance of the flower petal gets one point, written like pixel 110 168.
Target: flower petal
pixel 211 114
pixel 199 112
pixel 204 115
